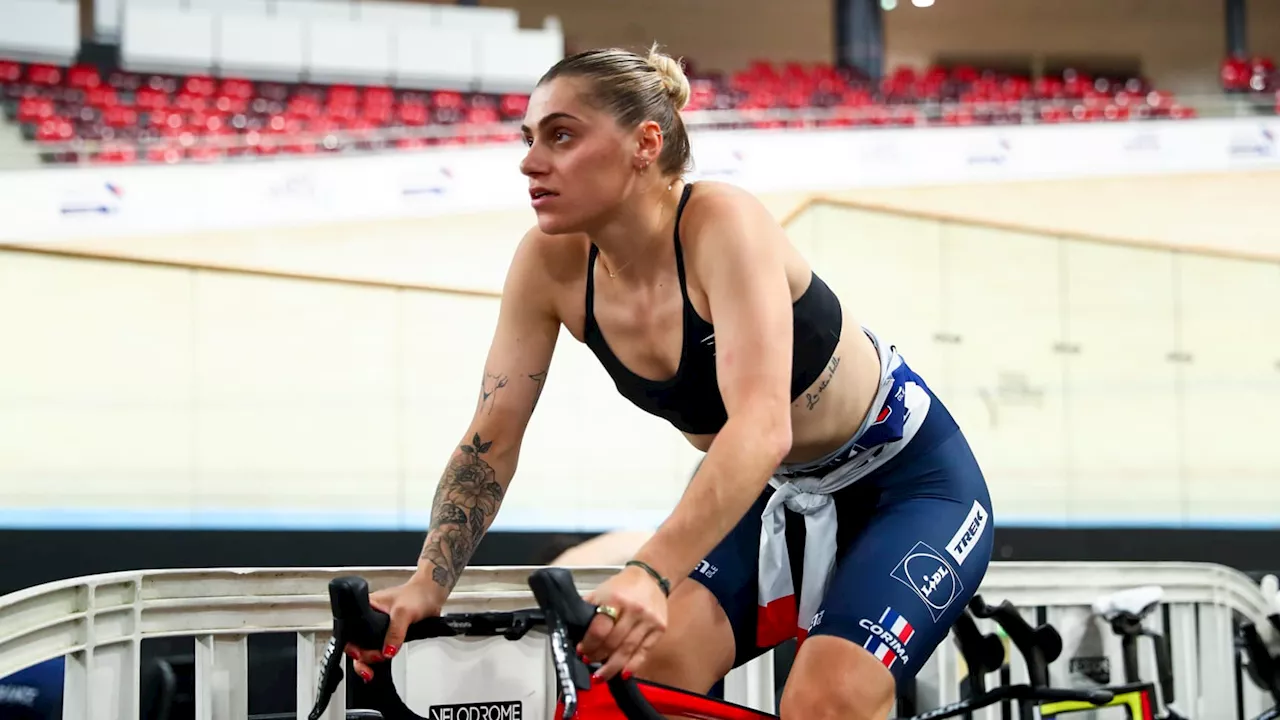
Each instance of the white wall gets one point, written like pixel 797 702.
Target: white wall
pixel 150 395
pixel 212 398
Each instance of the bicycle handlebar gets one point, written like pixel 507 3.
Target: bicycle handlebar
pixel 982 652
pixel 364 626
pixel 563 612
pixel 1039 646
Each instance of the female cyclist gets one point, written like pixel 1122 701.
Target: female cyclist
pixel 829 465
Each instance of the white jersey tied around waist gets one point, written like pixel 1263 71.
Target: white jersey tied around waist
pixel 896 414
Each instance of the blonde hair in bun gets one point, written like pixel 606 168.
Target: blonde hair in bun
pixel 673 77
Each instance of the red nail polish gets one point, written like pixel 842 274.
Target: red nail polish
pixel 366 675
pixel 353 655
pixel 390 651
pixel 626 674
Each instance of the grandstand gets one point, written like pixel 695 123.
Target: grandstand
pixel 198 117
pixel 323 76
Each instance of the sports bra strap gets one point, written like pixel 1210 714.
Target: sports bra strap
pixel 591 283
pixel 684 282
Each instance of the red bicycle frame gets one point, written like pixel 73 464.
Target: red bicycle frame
pixel 597 703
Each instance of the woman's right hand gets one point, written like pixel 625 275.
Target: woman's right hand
pixel 416 599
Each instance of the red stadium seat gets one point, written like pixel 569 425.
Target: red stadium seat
pixel 54 129
pixel 1235 73
pixel 34 109
pixel 379 97
pixel 83 77
pixel 10 72
pixel 413 114
pixel 101 96
pixel 47 75
pixel 513 106
pixel 118 116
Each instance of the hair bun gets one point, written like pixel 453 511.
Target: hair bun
pixel 673 77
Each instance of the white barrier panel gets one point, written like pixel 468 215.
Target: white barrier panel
pixel 103 202
pixel 99 622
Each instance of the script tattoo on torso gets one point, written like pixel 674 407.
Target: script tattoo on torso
pixel 812 398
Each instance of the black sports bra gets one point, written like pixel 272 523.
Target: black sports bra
pixel 690 400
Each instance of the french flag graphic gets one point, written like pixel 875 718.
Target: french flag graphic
pixel 894 627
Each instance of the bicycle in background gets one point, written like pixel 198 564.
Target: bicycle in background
pixel 1126 612
pixel 1262 667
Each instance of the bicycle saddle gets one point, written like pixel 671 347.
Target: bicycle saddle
pixel 1132 605
pixel 1271 590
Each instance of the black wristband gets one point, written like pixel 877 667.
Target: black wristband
pixel 662 582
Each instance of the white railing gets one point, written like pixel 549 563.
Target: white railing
pixel 99 622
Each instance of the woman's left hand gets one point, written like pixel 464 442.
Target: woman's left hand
pixel 642 618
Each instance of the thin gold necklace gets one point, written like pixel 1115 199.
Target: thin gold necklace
pixel 614 273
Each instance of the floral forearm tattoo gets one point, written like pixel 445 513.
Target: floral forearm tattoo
pixel 466 501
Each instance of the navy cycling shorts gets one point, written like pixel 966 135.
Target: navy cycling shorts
pixel 914 540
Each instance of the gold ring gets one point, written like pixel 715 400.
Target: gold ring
pixel 609 610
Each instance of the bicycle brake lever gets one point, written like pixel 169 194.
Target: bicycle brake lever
pixel 330 677
pixel 568 615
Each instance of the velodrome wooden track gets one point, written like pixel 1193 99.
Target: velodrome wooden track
pixel 1230 215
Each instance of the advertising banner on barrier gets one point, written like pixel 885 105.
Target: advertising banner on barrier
pixel 100 201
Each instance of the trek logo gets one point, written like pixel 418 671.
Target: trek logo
pixel 508 710
pixel 966 537
pixel 707 568
pixel 889 637
pixel 931 577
